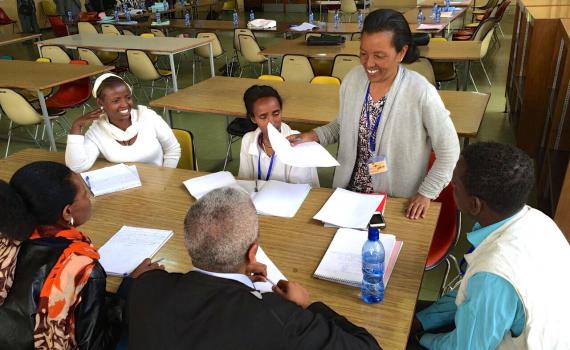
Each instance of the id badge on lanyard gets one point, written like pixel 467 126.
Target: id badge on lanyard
pixel 376 163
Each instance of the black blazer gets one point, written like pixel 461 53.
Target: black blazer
pixel 198 311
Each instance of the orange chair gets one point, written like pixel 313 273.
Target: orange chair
pixel 446 233
pixel 72 94
pixel 58 26
pixel 5 20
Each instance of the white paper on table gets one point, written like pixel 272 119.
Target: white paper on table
pixel 249 186
pixel 128 247
pixel 282 199
pixel 262 23
pixel 111 179
pixel 303 27
pixel 349 209
pixel 305 155
pixel 447 14
pixel 430 26
pixel 273 272
pixel 199 186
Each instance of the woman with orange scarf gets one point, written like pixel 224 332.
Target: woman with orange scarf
pixel 52 287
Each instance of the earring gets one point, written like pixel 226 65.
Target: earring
pixel 71 222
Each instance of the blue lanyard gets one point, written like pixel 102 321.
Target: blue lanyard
pixel 259 166
pixel 372 139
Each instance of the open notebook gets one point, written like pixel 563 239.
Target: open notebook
pixel 342 262
pixel 349 209
pixel 121 254
pixel 111 179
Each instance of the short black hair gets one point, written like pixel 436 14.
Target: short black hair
pixel 16 223
pixel 386 20
pixel 110 82
pixel 501 175
pixel 45 188
pixel 256 92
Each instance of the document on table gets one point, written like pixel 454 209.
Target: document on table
pixel 129 247
pixel 199 186
pixel 273 272
pixel 447 14
pixel 431 26
pixel 282 199
pixel 342 262
pixel 261 23
pixel 349 209
pixel 112 179
pixel 308 154
pixel 305 27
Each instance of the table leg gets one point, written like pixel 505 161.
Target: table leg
pixel 40 50
pixel 269 65
pixel 466 74
pixel 173 70
pixel 169 112
pixel 47 121
pixel 212 69
pixel 465 141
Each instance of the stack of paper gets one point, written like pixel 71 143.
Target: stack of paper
pixel 199 186
pixel 307 154
pixel 349 209
pixel 305 27
pixel 129 247
pixel 342 262
pixel 112 179
pixel 162 23
pixel 273 273
pixel 261 23
pixel 431 26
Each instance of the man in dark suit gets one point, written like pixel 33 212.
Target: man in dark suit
pixel 216 305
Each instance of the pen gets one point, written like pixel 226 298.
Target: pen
pixel 157 261
pixel 88 183
pixel 256 189
pixel 270 281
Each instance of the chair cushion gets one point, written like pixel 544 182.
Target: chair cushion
pixel 240 127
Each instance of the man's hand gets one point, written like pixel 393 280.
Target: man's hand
pixel 257 272
pixel 294 292
pixel 145 266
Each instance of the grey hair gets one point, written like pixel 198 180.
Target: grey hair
pixel 219 228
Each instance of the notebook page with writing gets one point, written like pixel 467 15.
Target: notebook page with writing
pixel 199 186
pixel 111 179
pixel 349 209
pixel 342 262
pixel 129 247
pixel 282 199
pixel 273 272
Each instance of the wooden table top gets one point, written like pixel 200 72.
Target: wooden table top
pixel 467 108
pixel 549 12
pixel 445 51
pixel 10 38
pixel 411 15
pixel 159 45
pixel 34 75
pixel 462 3
pixel 527 3
pixel 566 25
pixel 295 245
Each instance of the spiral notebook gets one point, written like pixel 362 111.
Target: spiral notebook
pixel 342 262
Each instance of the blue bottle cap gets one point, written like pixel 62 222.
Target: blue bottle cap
pixel 373 234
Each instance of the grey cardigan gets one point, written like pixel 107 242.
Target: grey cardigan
pixel 413 122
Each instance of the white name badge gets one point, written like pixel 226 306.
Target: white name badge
pixel 377 165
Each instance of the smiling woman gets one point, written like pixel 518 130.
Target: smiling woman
pixel 119 131
pixel 390 119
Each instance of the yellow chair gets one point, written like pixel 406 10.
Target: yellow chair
pixel 267 77
pixel 49 9
pixel 128 32
pixel 325 80
pixel 229 5
pixel 21 113
pixel 444 71
pixel 152 57
pixel 55 53
pixel 147 35
pixel 296 68
pixel 348 7
pixel 342 64
pixel 188 153
pixel 143 69
pixel 110 29
pixel 251 52
pixel 86 28
pixel 204 51
pixel 423 67
pixel 157 33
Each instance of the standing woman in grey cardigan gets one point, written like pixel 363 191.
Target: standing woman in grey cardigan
pixel 390 119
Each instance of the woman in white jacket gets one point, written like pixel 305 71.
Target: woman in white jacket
pixel 257 158
pixel 120 132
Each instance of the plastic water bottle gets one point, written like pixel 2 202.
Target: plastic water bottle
pixel 251 15
pixel 311 17
pixel 127 12
pixel 360 20
pixel 372 289
pixel 117 14
pixel 157 17
pixel 166 4
pixel 187 20
pixel 70 16
pixel 336 19
pixel 142 5
pixel 437 18
pixel 421 17
pixel 235 19
pixel 434 10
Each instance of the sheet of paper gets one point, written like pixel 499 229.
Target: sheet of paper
pixel 305 27
pixel 343 259
pixel 282 199
pixel 308 154
pixel 199 186
pixel 273 272
pixel 112 179
pixel 249 186
pixel 430 26
pixel 447 14
pixel 349 209
pixel 262 23
pixel 129 247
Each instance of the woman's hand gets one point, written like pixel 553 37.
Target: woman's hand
pixel 417 207
pixel 80 122
pixel 145 266
pixel 296 139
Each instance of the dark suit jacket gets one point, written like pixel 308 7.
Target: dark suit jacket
pixel 198 311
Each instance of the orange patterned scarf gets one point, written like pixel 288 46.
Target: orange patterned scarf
pixel 55 321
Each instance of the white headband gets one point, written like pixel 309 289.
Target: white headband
pixel 104 76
